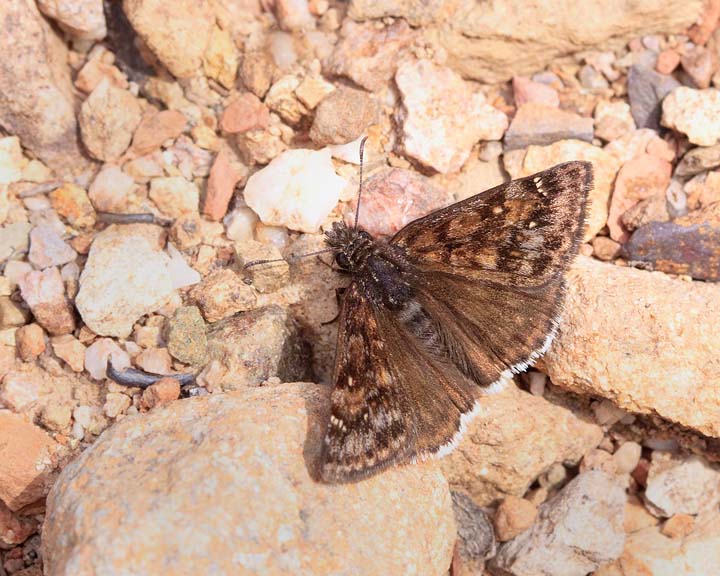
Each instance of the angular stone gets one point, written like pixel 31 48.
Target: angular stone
pixel 125 277
pixel 369 55
pixel 263 278
pixel 540 125
pixel 154 129
pixel 476 539
pixel 252 461
pixel 44 293
pixel 698 160
pixel 662 357
pixel 26 461
pixel 220 60
pixel 175 196
pixel 502 434
pixel 575 532
pixel 695 113
pixel 646 91
pixel 178 35
pixel 186 335
pixel 224 176
pixel 223 294
pixel 257 345
pixel 442 117
pixel 72 203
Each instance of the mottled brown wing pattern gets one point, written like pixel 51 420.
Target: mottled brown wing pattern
pixel 369 428
pixel 519 234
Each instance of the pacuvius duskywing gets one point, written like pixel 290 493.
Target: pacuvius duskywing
pixel 444 311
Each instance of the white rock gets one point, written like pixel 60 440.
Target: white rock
pixel 298 189
pixel 126 276
pixel 695 113
pixel 349 152
pixel 627 456
pixel 240 224
pixel 681 486
pixel 110 190
pixel 47 248
pixel 97 354
pixel 181 272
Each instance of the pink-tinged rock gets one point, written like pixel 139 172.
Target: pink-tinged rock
pixel 69 349
pixel 667 61
pixel 44 293
pixel 224 176
pixel 369 55
pixel 36 95
pixel 701 31
pixel 540 125
pixel 246 112
pixel 395 197
pixel 642 177
pixel 95 71
pixel 253 465
pixel 30 342
pixel 162 392
pixel 293 15
pixel 155 360
pixel 111 189
pixel 20 390
pixel 699 64
pixel 14 529
pixel 662 358
pixel 526 91
pixel 175 196
pixel 26 461
pixel 154 129
pixel 513 516
pixel 108 119
pixel 442 117
pixel 84 19
pixel 703 190
pixel 178 33
pixel 97 354
pixel 613 120
pixel 47 248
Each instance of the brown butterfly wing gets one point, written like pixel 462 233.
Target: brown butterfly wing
pixel 392 401
pixel 519 234
pixel 492 267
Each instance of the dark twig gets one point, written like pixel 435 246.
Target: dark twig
pixel 142 218
pixel 134 378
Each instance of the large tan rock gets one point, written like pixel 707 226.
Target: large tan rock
pixel 222 484
pixel 515 438
pixel 494 41
pixel 36 94
pixel 644 340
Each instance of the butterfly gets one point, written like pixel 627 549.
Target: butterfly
pixel 445 311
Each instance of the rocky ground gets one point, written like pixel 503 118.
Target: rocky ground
pixel 233 126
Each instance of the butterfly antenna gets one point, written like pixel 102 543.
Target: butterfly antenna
pixel 357 206
pixel 253 263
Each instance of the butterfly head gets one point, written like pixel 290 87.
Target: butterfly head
pixel 350 246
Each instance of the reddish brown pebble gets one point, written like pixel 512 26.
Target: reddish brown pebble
pixel 25 461
pixel 157 128
pixel 221 186
pixel 30 342
pixel 245 113
pixel 667 61
pixel 700 33
pixel 162 392
pixel 514 515
pixel 679 526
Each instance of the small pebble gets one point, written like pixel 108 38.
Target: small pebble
pixel 162 392
pixel 627 456
pixel 513 516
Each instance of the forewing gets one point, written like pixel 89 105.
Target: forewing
pixel 517 234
